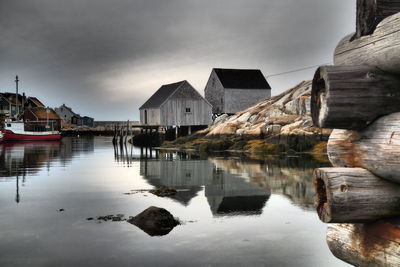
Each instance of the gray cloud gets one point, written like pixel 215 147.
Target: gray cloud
pixel 104 58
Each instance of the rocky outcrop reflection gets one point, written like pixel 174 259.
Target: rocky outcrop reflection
pixel 19 160
pixel 288 176
pixel 227 193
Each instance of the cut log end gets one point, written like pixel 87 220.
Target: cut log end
pixel 341 96
pixel 318 105
pixel 354 195
pixel 321 198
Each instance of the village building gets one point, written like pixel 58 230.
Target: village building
pixel 232 90
pixel 68 115
pixel 11 104
pixel 177 104
pixel 65 113
pixel 33 102
pixel 41 118
pixel 82 121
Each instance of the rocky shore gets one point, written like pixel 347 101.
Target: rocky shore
pixel 278 124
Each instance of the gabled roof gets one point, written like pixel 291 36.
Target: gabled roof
pixel 10 97
pixel 41 113
pixel 68 108
pixel 159 97
pixel 242 78
pixel 35 101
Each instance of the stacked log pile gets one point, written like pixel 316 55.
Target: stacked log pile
pixel 360 98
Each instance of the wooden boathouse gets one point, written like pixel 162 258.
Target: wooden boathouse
pixel 233 90
pixel 177 105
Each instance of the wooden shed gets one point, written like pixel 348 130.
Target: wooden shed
pixel 39 117
pixel 176 104
pixel 232 90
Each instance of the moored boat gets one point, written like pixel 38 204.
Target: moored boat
pixel 21 131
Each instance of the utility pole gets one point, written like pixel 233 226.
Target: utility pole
pixel 16 96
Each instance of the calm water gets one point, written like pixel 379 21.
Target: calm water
pixel 235 211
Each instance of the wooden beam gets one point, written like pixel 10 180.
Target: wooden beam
pixel 377 148
pixel 351 195
pixel 371 12
pixel 381 49
pixel 350 97
pixel 375 244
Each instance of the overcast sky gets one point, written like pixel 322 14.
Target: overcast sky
pixel 105 58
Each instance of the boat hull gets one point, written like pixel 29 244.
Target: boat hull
pixel 11 136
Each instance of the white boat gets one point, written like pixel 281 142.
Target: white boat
pixel 16 131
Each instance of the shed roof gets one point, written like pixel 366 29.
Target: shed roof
pixel 41 114
pixel 161 95
pixel 36 101
pixel 242 78
pixel 10 97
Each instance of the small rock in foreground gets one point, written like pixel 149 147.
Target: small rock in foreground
pixel 155 221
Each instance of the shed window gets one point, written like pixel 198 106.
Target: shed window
pixel 187 110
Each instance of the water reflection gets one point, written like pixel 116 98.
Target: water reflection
pixel 289 176
pixel 21 159
pixel 226 193
pixel 232 186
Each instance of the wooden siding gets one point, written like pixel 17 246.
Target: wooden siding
pixel 174 110
pixel 214 93
pixel 153 116
pixel 240 99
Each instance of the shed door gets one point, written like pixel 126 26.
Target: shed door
pixel 145 116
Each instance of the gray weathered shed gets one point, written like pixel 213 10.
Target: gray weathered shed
pixel 176 104
pixel 233 90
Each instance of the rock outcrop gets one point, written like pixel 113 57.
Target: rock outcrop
pixel 278 118
pixel 278 124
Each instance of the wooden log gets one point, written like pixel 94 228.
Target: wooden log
pixel 371 12
pixel 351 195
pixel 375 244
pixel 350 97
pixel 376 148
pixel 381 49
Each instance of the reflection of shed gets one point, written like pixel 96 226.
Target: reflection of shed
pixel 176 104
pixel 187 176
pixel 230 194
pixel 226 193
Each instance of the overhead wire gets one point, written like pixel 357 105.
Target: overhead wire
pixel 297 70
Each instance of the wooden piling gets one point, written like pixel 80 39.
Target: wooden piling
pixel 341 96
pixel 373 244
pixel 354 195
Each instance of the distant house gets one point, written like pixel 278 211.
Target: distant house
pixel 10 104
pixel 65 113
pixel 82 121
pixel 176 104
pixel 233 90
pixel 40 117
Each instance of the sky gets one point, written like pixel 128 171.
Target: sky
pixel 106 58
